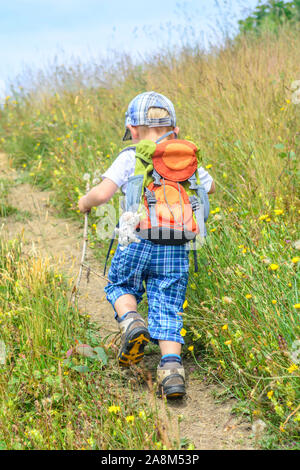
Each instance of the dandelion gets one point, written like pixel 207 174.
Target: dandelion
pixel 292 368
pixel 114 409
pixel 263 217
pixel 248 296
pixel 274 302
pixel 273 267
pixel 191 348
pixel 130 419
pixel 228 343
pixel 213 229
pixel 216 210
pixel 208 166
pixel 86 177
pixel 270 394
pixel 183 332
pixel 297 306
pixel 278 211
pixel 225 327
pixel 296 259
pixel 185 304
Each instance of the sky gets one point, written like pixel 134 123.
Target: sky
pixel 33 32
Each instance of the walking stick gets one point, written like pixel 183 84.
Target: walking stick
pixel 75 289
pixel 84 247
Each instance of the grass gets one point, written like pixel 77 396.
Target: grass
pixel 53 397
pixel 242 318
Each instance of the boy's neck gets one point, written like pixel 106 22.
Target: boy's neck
pixel 154 136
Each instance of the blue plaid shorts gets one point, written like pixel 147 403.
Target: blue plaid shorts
pixel 163 270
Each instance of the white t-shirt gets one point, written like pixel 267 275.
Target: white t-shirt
pixel 123 168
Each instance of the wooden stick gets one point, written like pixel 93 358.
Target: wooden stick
pixel 84 247
pixel 86 266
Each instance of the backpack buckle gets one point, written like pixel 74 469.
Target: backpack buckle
pixel 156 176
pixel 151 200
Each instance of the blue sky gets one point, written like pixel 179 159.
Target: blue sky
pixel 32 32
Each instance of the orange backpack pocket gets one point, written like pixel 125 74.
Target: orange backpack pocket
pixel 175 160
pixel 169 215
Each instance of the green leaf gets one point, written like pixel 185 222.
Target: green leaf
pixel 279 146
pixel 101 355
pixel 81 369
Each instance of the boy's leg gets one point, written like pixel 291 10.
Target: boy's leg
pixel 124 292
pixel 125 303
pixel 135 335
pixel 166 288
pixel 169 347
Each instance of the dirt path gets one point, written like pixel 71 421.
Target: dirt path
pixel 204 423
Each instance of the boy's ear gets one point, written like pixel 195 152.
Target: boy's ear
pixel 176 130
pixel 134 132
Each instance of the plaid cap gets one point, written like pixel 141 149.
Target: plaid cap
pixel 137 111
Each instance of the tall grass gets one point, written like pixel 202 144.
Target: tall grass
pixel 53 397
pixel 236 103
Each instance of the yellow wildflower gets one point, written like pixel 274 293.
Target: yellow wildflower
pixel 278 211
pixel 248 296
pixel 183 332
pixel 208 166
pixel 274 301
pixel 296 259
pixel 191 348
pixel 130 419
pixel 225 327
pixel 292 368
pixel 216 210
pixel 273 267
pixel 297 306
pixel 263 217
pixel 270 394
pixel 113 409
pixel 228 343
pixel 185 304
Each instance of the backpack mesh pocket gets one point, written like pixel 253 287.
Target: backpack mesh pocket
pixel 134 193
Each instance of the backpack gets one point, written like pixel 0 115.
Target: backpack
pixel 166 188
pixel 166 192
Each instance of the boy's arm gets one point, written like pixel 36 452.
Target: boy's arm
pixel 98 195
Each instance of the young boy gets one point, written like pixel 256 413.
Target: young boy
pixel 162 268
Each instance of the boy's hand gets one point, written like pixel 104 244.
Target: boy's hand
pixel 83 207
